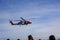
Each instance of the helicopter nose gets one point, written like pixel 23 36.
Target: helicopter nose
pixel 28 22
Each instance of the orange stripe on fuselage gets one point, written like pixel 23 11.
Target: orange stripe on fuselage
pixel 27 22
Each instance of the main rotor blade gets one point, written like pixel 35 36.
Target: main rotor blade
pixel 15 20
pixel 22 18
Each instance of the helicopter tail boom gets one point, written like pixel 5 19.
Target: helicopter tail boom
pixel 11 23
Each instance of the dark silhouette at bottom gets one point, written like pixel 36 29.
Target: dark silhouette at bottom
pixel 8 39
pixel 52 37
pixel 18 39
pixel 30 37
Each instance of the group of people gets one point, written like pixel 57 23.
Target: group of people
pixel 51 37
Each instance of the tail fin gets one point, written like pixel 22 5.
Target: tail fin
pixel 11 23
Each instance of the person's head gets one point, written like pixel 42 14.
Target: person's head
pixel 8 39
pixel 30 37
pixel 52 37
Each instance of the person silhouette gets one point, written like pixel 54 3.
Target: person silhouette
pixel 30 37
pixel 52 37
pixel 8 39
pixel 18 39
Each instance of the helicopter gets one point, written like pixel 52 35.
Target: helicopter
pixel 21 22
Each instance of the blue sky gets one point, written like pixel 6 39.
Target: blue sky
pixel 44 15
